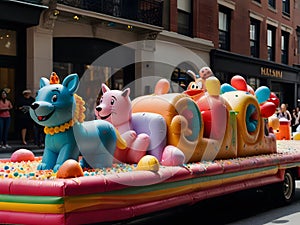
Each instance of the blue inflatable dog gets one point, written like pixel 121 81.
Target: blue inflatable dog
pixel 61 112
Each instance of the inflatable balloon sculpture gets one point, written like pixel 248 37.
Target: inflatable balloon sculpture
pixel 144 132
pixel 260 105
pixel 61 111
pixel 222 121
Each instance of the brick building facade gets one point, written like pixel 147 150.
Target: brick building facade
pixel 249 38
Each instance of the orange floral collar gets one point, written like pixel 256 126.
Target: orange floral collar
pixel 78 117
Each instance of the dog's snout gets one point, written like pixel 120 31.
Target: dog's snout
pixel 34 105
pixel 98 108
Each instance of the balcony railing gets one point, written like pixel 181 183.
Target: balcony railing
pixel 38 2
pixel 145 11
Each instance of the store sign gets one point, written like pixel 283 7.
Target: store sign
pixel 265 71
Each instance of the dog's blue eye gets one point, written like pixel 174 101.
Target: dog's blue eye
pixel 112 102
pixel 54 98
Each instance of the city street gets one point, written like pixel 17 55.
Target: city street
pixel 242 208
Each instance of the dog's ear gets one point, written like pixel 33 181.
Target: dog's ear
pixel 71 82
pixel 44 82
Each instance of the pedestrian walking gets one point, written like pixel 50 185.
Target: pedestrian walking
pixel 25 121
pixel 284 113
pixel 295 119
pixel 5 118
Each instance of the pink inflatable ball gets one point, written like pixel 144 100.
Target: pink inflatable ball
pixel 162 87
pixel 172 156
pixel 239 83
pixel 22 155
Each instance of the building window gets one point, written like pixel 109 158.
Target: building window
pixel 284 47
pixel 286 7
pixel 272 3
pixel 254 37
pixel 271 42
pixel 185 25
pixel 8 44
pixel 224 28
pixel 298 37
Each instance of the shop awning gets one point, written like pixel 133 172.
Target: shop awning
pixel 26 13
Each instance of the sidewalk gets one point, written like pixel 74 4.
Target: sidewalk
pixel 16 144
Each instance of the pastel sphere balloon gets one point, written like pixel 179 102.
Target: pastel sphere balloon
pixel 148 162
pixel 273 98
pixel 250 89
pixel 226 88
pixel 262 94
pixel 162 87
pixel 267 109
pixel 296 136
pixel 213 86
pixel 205 72
pixel 273 121
pixel 239 83
pixel 22 155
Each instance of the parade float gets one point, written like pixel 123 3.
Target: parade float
pixel 145 155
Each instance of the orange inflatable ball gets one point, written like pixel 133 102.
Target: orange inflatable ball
pixel 70 169
pixel 22 155
pixel 148 162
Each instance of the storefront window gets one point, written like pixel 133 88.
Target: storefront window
pixel 8 42
pixel 254 82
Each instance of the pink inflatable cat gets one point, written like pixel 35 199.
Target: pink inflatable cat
pixel 144 132
pixel 115 107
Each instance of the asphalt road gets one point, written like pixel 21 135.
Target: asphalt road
pixel 242 208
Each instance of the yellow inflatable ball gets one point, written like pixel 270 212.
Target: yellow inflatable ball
pixel 273 122
pixel 296 136
pixel 148 162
